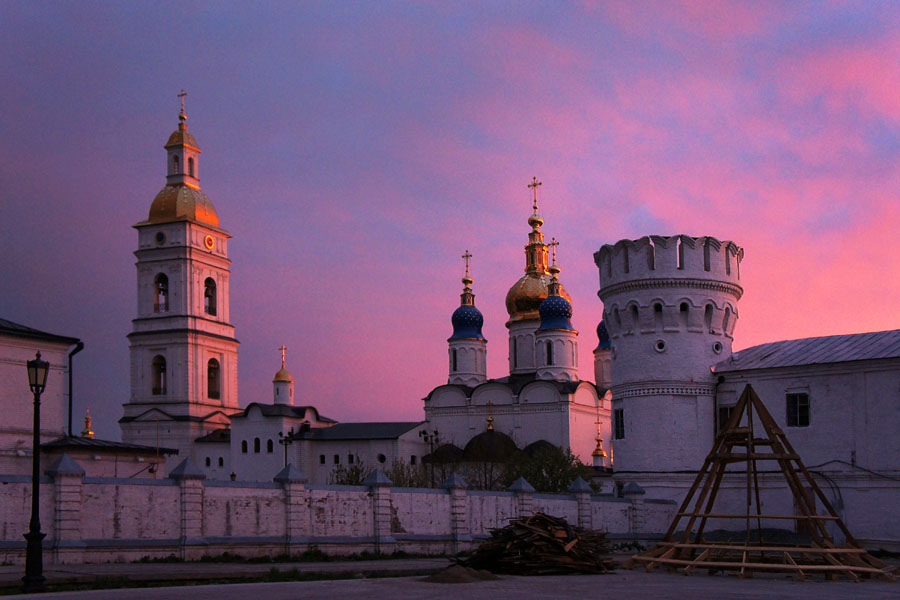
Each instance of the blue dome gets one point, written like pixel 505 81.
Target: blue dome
pixel 467 322
pixel 555 313
pixel 603 336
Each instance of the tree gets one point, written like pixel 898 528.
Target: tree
pixel 353 474
pixel 402 474
pixel 549 469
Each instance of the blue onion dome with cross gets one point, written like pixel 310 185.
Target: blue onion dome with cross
pixel 467 320
pixel 603 341
pixel 555 311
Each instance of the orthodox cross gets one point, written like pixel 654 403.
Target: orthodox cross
pixel 182 95
pixel 534 186
pixel 553 244
pixel 467 256
pixel 285 440
pixel 283 348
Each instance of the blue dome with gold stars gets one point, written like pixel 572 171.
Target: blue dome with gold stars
pixel 555 313
pixel 467 321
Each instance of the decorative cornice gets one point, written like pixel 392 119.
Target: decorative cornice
pixel 644 284
pixel 663 388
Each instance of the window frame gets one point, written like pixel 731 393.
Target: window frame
pixel 798 409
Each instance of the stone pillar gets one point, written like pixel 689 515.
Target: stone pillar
pixel 296 506
pixel 524 496
pixel 68 479
pixel 381 510
pixel 190 480
pixel 460 533
pixel 635 493
pixel 582 492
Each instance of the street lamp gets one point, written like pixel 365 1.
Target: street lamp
pixel 285 440
pixel 34 561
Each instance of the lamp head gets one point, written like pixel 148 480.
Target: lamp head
pixel 37 374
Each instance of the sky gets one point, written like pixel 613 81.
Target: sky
pixel 354 150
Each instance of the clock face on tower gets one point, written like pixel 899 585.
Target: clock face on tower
pixel 209 242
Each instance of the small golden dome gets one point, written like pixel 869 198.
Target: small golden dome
pixel 283 375
pixel 182 136
pixel 183 203
pixel 525 297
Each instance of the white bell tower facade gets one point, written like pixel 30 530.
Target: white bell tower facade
pixel 183 351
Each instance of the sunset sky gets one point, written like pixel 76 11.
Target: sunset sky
pixel 355 150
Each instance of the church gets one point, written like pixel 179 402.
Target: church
pixel 184 361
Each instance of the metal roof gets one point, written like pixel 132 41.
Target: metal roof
pixel 814 351
pixel 14 329
pixel 359 431
pixel 70 441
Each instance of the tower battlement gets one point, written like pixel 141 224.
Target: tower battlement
pixel 677 256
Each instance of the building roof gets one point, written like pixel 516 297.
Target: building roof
pixel 69 442
pixel 16 330
pixel 283 410
pixel 359 431
pixel 515 383
pixel 814 351
pixel 216 436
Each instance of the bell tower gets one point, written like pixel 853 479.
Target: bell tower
pixel 183 351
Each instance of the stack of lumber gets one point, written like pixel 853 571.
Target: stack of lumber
pixel 541 545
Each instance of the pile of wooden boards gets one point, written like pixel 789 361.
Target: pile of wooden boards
pixel 541 545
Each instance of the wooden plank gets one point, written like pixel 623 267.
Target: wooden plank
pixel 753 516
pixel 801 576
pixel 740 548
pixel 770 566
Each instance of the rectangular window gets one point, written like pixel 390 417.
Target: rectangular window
pixel 724 413
pixel 412 459
pixel 619 423
pixel 321 459
pixel 798 410
pixel 337 459
pixel 349 459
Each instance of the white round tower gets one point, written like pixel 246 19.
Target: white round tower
pixel 283 384
pixel 670 305
pixel 467 346
pixel 556 341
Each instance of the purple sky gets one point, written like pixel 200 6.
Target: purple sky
pixel 354 150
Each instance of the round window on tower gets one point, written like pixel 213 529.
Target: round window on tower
pixel 717 347
pixel 160 238
pixel 660 346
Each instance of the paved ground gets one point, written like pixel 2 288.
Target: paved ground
pixel 390 584
pixel 624 584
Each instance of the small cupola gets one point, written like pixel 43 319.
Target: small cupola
pixel 182 154
pixel 283 383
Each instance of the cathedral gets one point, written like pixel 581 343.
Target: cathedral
pixel 184 360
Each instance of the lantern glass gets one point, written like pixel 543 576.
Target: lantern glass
pixel 37 374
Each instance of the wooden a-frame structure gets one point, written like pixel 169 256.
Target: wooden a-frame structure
pixel 689 550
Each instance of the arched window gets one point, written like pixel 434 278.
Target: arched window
pixel 256 445
pixel 549 353
pixel 244 447
pixel 727 321
pixel 212 379
pixel 683 314
pixel 208 461
pixel 658 316
pixel 191 167
pixel 321 459
pixel 221 462
pixel 337 459
pixel 270 446
pixel 634 317
pixel 707 316
pixel 209 296
pixel 175 164
pixel 454 359
pixel 515 352
pixel 159 376
pixel 161 291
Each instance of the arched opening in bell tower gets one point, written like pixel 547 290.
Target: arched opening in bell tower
pixel 191 167
pixel 209 296
pixel 158 376
pixel 212 379
pixel 175 164
pixel 161 293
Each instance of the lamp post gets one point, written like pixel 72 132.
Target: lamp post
pixel 432 440
pixel 34 561
pixel 285 440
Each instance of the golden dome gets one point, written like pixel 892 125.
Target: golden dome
pixel 183 203
pixel 182 136
pixel 525 297
pixel 283 375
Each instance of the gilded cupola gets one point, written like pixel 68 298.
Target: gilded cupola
pixel 524 298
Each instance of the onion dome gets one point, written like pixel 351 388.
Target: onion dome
pixel 490 446
pixel 283 374
pixel 555 311
pixel 445 453
pixel 603 337
pixel 183 203
pixel 467 320
pixel 525 296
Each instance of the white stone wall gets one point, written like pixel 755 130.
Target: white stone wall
pixel 108 519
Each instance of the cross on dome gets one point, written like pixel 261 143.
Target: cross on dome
pixel 553 244
pixel 466 257
pixel 534 186
pixel 283 348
